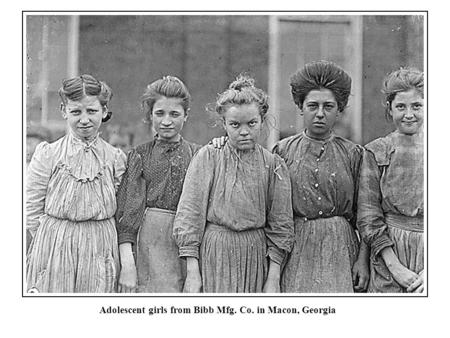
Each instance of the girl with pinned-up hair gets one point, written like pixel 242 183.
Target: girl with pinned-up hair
pixel 149 194
pixel 324 169
pixel 391 205
pixel 234 220
pixel 71 198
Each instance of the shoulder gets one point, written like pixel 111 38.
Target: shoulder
pixel 381 148
pixel 193 147
pixel 350 146
pixel 283 146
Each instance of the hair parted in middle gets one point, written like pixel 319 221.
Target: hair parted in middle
pixel 318 75
pixel 77 87
pixel 242 91
pixel 167 86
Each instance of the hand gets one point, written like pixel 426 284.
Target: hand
pixel 403 275
pixel 128 279
pixel 272 285
pixel 417 286
pixel 193 283
pixel 360 275
pixel 219 142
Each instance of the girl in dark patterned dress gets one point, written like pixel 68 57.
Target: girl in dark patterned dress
pixel 234 220
pixel 324 170
pixel 149 193
pixel 390 207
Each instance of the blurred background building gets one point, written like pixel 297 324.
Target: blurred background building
pixel 207 52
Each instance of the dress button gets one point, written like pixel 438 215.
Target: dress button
pixel 305 219
pixel 320 212
pixel 323 148
pixel 318 159
pixel 316 170
pixel 319 198
pixel 316 185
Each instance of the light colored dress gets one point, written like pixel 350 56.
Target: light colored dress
pixel 147 201
pixel 71 202
pixel 235 212
pixel 324 176
pixel 390 205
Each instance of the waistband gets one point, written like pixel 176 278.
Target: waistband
pixel 160 211
pixel 404 222
pixel 301 220
pixel 214 227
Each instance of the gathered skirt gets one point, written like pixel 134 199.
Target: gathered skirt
pixel 73 257
pixel 158 266
pixel 233 261
pixel 407 235
pixel 321 261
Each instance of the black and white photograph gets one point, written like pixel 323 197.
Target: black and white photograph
pixel 233 153
pixel 211 171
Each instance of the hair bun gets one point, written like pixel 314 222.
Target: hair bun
pixel 242 81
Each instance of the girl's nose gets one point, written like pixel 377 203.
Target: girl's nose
pixel 409 113
pixel 244 131
pixel 320 112
pixel 84 119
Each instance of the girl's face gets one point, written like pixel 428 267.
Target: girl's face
pixel 84 117
pixel 407 111
pixel 168 117
pixel 320 112
pixel 243 125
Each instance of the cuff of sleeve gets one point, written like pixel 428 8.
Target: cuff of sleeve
pixel 276 254
pixel 126 238
pixel 189 251
pixel 380 243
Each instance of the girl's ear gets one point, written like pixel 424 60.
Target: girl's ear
pixel 186 114
pixel 389 108
pixel 105 111
pixel 62 108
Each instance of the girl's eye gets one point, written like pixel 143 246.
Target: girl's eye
pixel 75 112
pixel 234 124
pixel 311 107
pixel 92 111
pixel 252 123
pixel 400 106
pixel 329 107
pixel 175 114
pixel 417 106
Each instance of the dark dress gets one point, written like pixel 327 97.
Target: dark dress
pixel 234 212
pixel 324 176
pixel 390 205
pixel 147 201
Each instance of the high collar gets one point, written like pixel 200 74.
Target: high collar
pixel 315 139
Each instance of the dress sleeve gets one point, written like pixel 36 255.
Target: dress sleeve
pixel 190 220
pixel 38 176
pixel 119 168
pixel 131 197
pixel 356 163
pixel 371 222
pixel 280 224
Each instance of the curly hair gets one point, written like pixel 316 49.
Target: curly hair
pixel 321 75
pixel 243 91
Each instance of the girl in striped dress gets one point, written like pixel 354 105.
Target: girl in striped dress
pixel 71 198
